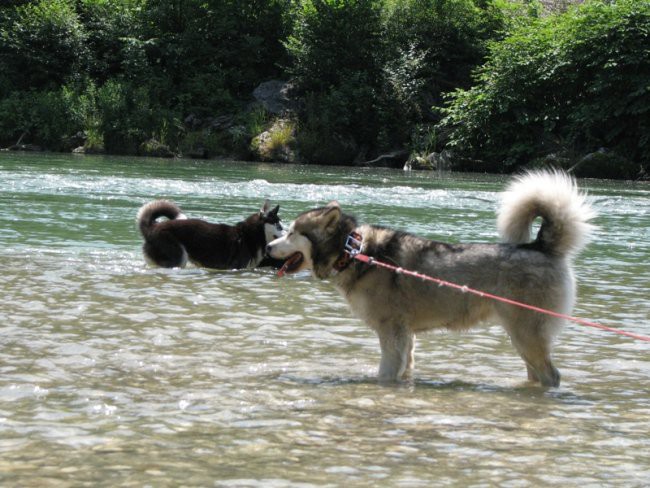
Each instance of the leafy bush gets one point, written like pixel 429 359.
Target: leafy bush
pixel 41 44
pixel 433 46
pixel 336 51
pixel 371 70
pixel 46 118
pixel 129 116
pixel 571 83
pixel 111 30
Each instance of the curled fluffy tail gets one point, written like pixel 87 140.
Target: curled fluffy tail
pixel 555 198
pixel 149 212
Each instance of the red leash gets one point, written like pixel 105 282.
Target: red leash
pixel 355 254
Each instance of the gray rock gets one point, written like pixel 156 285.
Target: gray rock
pixel 274 96
pixel 25 147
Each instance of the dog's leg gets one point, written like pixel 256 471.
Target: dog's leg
pixel 397 346
pixel 532 339
pixel 410 359
pixel 532 376
pixel 166 254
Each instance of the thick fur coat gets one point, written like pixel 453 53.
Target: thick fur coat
pixel 536 271
pixel 175 241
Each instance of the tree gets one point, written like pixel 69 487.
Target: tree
pixel 42 44
pixel 571 83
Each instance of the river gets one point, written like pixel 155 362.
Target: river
pixel 113 373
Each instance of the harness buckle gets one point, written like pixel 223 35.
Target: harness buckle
pixel 353 244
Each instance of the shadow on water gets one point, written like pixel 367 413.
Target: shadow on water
pixel 525 390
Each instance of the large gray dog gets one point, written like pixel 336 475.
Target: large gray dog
pixel 534 271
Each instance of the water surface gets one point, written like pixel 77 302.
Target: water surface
pixel 115 373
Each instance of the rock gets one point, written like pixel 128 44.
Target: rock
pixel 416 163
pixel 221 122
pixel 277 143
pixel 70 143
pixel 86 149
pixel 198 152
pixel 441 161
pixel 154 148
pixel 192 122
pixel 274 96
pixel 25 147
pixel 606 164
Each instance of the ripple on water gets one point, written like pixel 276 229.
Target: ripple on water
pixel 110 370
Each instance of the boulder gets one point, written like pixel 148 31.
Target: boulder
pixel 86 149
pixel 606 164
pixel 221 122
pixel 274 96
pixel 154 148
pixel 440 161
pixel 25 147
pixel 69 143
pixel 277 143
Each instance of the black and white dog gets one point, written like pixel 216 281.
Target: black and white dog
pixel 171 243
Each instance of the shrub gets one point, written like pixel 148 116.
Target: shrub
pixel 571 83
pixel 46 118
pixel 41 44
pixel 129 116
pixel 336 51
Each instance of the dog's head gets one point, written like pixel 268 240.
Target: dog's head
pixel 314 241
pixel 272 225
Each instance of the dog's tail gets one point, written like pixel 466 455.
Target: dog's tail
pixel 149 212
pixel 553 196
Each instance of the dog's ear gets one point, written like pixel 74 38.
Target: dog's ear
pixel 330 216
pixel 265 207
pixel 274 212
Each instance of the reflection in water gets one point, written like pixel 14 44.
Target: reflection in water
pixel 113 373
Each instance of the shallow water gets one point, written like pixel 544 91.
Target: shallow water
pixel 114 373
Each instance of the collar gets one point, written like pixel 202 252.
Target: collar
pixel 352 247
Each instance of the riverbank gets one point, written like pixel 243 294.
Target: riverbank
pixel 601 164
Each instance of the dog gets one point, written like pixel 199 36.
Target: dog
pixel 173 242
pixel 535 271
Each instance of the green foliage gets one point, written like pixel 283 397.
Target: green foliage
pixel 336 60
pixel 112 28
pixel 433 46
pixel 47 117
pixel 371 70
pixel 569 83
pixel 212 52
pixel 129 117
pixel 42 44
pixel 510 80
pixel 276 142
